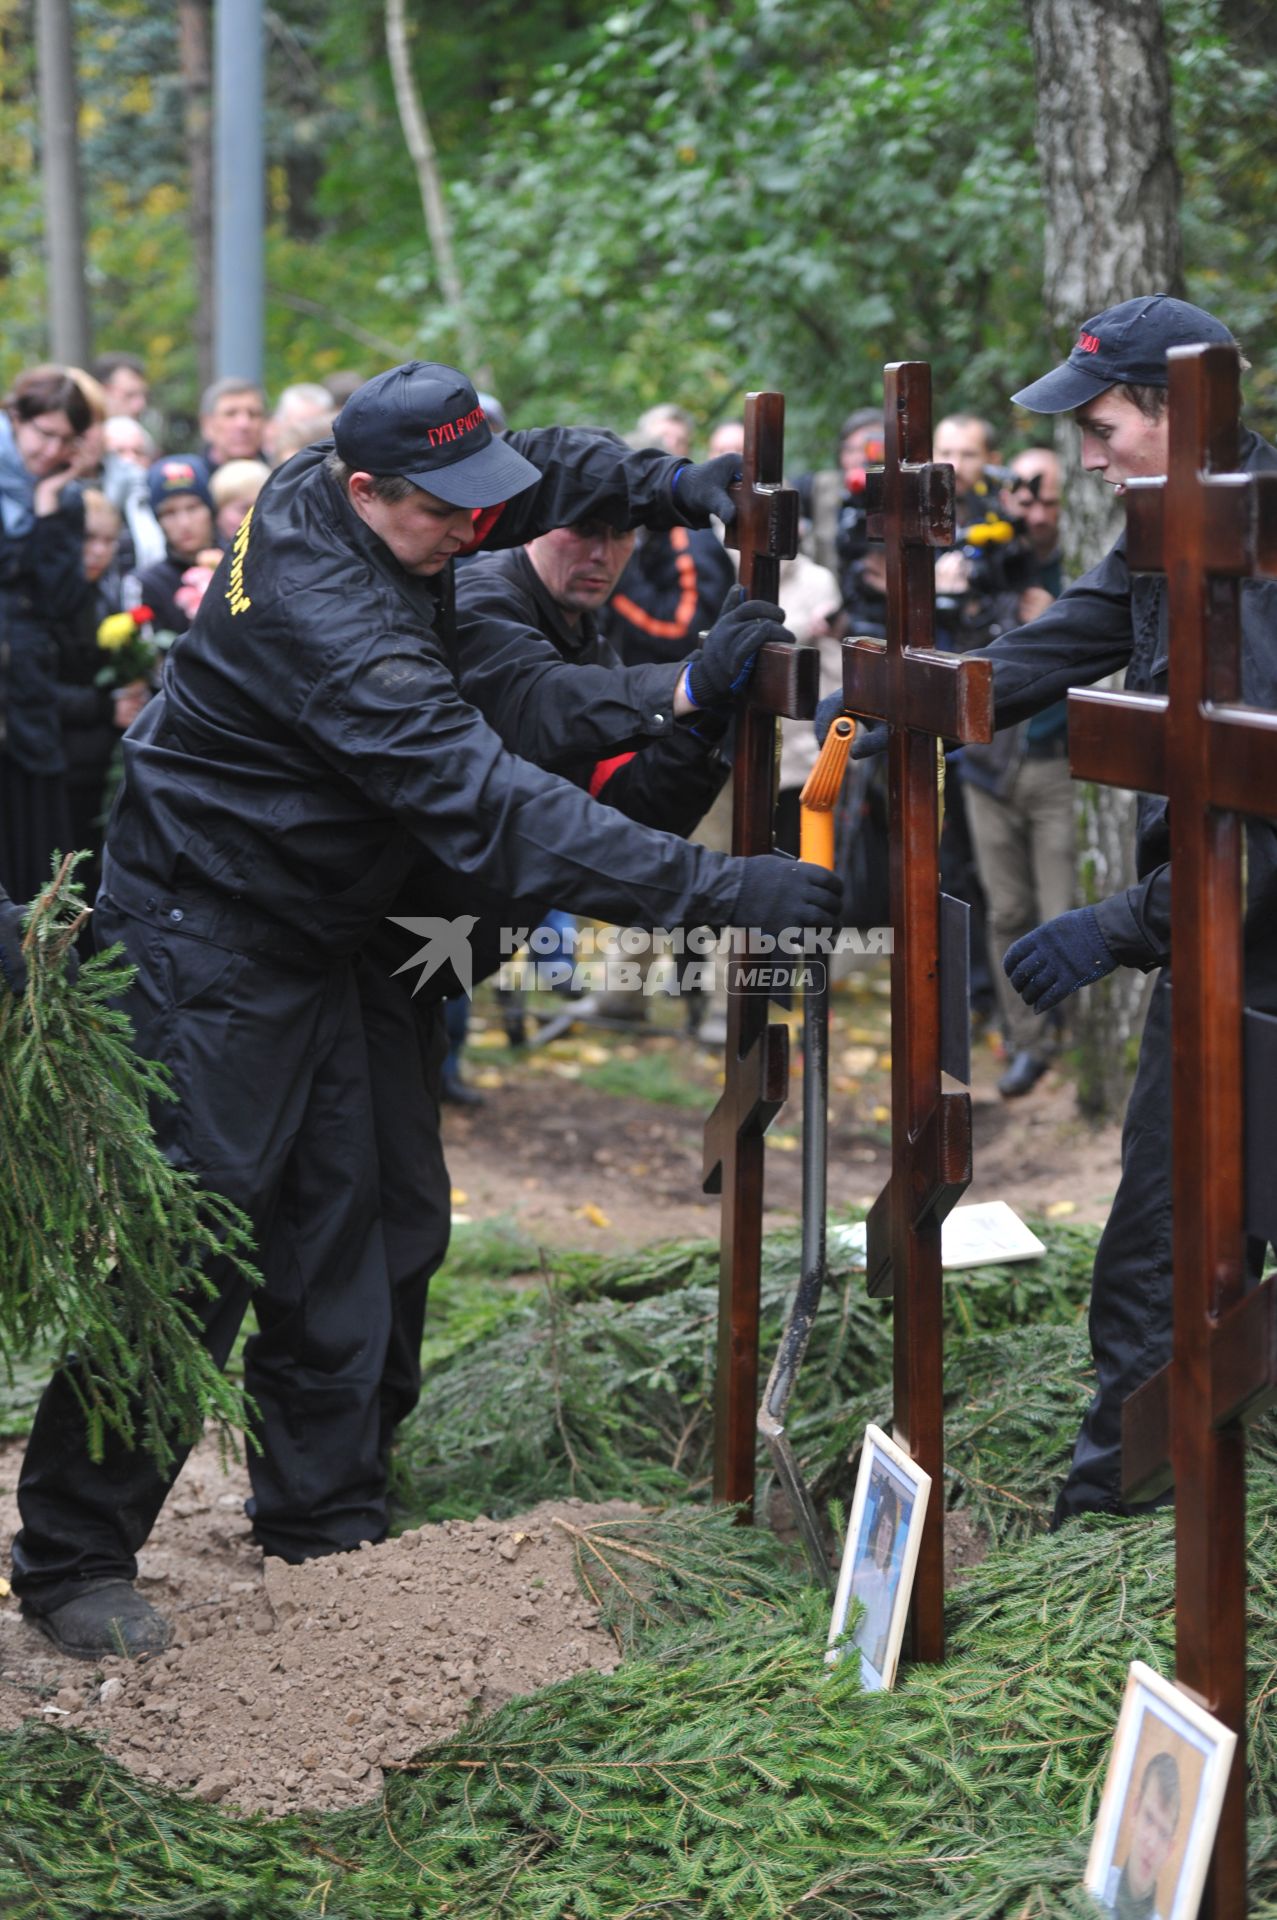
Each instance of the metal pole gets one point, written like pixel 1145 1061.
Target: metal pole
pixel 68 301
pixel 239 189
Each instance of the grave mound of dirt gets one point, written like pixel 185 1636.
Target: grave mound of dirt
pixel 297 1687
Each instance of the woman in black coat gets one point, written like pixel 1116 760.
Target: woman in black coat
pixel 42 423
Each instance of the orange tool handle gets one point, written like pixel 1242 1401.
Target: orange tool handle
pixel 820 793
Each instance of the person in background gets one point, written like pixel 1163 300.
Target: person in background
pixel 92 717
pixel 183 505
pixel 128 454
pixel 234 488
pixel 674 584
pixel 122 377
pixel 1018 789
pixel 303 414
pixel 43 420
pixel 233 421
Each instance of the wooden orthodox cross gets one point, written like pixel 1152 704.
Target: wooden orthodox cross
pixel 1205 527
pixel 757 1078
pixel 923 696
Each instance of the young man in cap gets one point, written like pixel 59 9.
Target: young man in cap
pixel 310 749
pixel 1114 382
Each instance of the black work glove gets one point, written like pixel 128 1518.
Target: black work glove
pixel 1053 961
pixel 721 667
pixel 779 892
pixel 13 963
pixel 701 490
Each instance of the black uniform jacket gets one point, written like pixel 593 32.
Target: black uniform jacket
pixel 1110 619
pixel 559 695
pixel 41 583
pixel 310 738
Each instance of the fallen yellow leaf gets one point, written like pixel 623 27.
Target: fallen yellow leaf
pixel 595 1215
pixel 459 1198
pixel 882 1113
pixel 4 1589
pixel 1058 1209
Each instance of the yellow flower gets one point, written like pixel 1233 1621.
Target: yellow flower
pixel 116 631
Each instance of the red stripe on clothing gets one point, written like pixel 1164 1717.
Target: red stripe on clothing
pixel 603 772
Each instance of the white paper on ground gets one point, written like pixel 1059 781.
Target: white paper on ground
pixel 987 1233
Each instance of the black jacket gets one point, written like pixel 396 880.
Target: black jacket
pixel 559 695
pixel 310 738
pixel 1110 619
pixel 672 590
pixel 41 584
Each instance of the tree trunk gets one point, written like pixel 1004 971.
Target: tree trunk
pixel 421 148
pixel 68 297
pixel 1111 192
pixel 197 108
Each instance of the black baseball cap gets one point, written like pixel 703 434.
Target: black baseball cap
pixel 425 422
pixel 1124 344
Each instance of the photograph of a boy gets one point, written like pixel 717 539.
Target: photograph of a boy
pixel 875 1576
pixel 1131 1888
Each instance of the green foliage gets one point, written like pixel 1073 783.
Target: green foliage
pixel 651 201
pixel 611 1365
pixel 100 1238
pixel 721 1770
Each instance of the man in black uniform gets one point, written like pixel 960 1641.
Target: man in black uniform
pixel 1115 384
pixel 532 660
pixel 310 746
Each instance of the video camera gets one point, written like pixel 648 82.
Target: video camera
pixel 851 530
pixel 994 545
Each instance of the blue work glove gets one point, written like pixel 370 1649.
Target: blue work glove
pixel 869 741
pixel 701 490
pixel 721 668
pixel 1053 961
pixel 13 963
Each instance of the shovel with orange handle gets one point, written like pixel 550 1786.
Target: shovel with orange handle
pixel 818 800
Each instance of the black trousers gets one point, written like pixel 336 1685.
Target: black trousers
pixel 277 1108
pixel 1131 1283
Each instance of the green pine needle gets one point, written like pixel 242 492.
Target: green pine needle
pixel 101 1239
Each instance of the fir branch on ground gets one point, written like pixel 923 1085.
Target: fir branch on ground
pixel 720 1770
pixel 101 1238
pixel 611 1365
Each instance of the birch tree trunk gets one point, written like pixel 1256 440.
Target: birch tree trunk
pixel 421 148
pixel 1111 192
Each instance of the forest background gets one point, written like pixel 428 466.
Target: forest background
pixel 650 201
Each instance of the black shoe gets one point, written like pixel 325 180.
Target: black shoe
pixel 458 1094
pixel 109 1617
pixel 1023 1074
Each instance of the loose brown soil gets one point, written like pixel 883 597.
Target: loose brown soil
pixel 296 1687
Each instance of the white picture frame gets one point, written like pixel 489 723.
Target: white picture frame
pixel 1162 1796
pixel 878 1563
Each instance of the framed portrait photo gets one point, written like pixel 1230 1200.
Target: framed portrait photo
pixel 878 1562
pixel 1162 1795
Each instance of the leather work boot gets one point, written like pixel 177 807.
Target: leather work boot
pixel 1022 1075
pixel 107 1617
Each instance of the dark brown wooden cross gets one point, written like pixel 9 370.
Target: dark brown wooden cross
pixel 1205 527
pixel 924 696
pixel 785 682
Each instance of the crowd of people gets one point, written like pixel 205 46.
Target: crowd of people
pixel 424 663
pixel 98 522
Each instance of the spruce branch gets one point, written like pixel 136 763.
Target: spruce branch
pixel 101 1240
